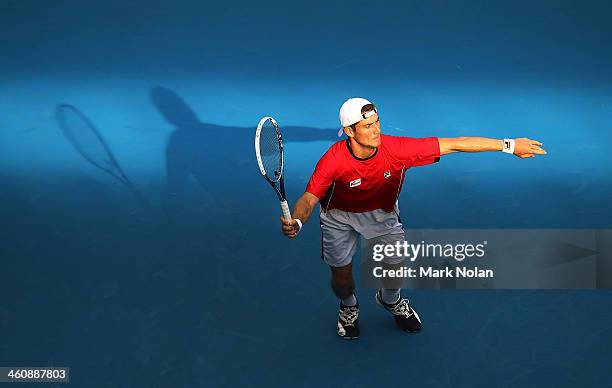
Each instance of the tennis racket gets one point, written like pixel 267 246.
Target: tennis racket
pixel 89 143
pixel 269 152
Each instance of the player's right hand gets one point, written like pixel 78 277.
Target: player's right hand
pixel 527 148
pixel 289 228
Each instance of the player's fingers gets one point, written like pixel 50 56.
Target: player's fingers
pixel 535 142
pixel 287 222
pixel 293 227
pixel 538 150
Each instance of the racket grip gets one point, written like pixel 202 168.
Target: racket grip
pixel 286 212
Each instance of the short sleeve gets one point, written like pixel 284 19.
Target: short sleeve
pixel 414 151
pixel 322 177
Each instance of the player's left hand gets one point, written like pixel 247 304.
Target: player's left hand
pixel 527 148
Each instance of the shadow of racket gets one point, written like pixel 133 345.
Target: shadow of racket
pixel 89 143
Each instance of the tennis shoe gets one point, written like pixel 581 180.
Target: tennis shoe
pixel 405 317
pixel 348 322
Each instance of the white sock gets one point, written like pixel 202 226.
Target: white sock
pixel 350 301
pixel 390 296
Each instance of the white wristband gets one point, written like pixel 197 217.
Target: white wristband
pixel 508 146
pixel 299 224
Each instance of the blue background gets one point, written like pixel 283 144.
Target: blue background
pixel 201 288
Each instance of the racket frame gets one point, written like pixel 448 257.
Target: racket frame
pixel 280 191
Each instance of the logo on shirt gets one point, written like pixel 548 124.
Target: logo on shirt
pixel 355 183
pixel 387 174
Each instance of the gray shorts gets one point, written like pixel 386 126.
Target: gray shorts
pixel 340 230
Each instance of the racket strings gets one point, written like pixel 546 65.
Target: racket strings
pixel 269 146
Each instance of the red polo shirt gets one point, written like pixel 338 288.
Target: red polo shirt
pixel 343 181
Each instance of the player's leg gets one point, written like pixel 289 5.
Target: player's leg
pixel 389 296
pixel 339 242
pixel 343 284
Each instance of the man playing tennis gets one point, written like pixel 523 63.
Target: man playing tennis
pixel 358 182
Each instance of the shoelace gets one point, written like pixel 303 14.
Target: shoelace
pixel 349 315
pixel 402 308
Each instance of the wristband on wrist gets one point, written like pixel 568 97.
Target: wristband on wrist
pixel 299 224
pixel 508 146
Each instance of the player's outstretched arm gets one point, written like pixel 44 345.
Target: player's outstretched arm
pixel 302 211
pixel 523 147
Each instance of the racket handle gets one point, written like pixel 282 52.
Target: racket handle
pixel 286 212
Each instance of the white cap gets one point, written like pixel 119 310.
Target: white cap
pixel 350 112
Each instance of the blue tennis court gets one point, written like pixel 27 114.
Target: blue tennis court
pixel 195 285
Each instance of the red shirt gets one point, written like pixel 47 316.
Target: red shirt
pixel 343 181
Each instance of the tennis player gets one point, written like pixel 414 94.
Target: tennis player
pixel 357 182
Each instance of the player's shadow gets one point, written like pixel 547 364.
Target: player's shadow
pixel 214 198
pixel 213 167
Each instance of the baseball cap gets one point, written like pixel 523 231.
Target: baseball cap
pixel 350 112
